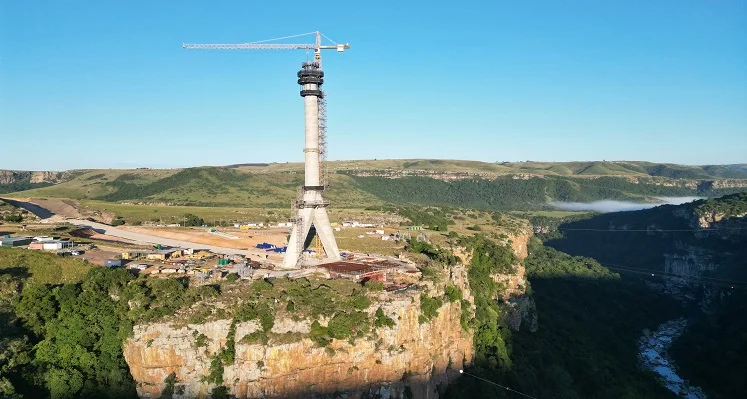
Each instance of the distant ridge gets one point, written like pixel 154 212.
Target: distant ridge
pixel 238 165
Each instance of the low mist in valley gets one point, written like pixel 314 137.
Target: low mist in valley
pixel 606 206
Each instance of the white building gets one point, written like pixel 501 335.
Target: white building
pixel 55 245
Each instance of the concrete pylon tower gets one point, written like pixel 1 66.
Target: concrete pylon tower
pixel 311 206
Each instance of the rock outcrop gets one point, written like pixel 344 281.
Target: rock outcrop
pixel 15 176
pixel 410 357
pixel 409 360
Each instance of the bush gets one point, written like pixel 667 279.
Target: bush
pixel 192 220
pixel 14 218
pixel 453 292
pixel 428 308
pixel 382 319
pixel 374 285
pixel 344 325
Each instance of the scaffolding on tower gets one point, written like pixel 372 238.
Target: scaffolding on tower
pixel 322 101
pixel 310 207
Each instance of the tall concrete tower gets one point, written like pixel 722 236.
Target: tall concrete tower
pixel 311 207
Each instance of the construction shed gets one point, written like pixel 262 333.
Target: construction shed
pixel 163 254
pixel 355 271
pixel 15 241
pixel 113 263
pixel 136 254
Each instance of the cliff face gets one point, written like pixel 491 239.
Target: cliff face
pixel 14 176
pixel 408 357
pixel 408 360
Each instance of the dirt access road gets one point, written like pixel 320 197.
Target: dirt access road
pixel 150 239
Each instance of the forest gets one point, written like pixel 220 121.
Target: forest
pixel 509 193
pixel 590 320
pixel 711 352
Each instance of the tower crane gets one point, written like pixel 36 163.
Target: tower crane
pixel 310 206
pixel 317 46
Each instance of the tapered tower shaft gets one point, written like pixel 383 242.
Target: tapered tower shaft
pixel 311 207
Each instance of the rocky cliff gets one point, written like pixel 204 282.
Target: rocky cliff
pixel 13 176
pixel 407 359
pixel 411 359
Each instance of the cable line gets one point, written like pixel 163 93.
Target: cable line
pixel 653 230
pixel 732 286
pixel 676 275
pixel 498 385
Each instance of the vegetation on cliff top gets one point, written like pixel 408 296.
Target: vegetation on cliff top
pixel 651 238
pixel 729 205
pixel 508 193
pixel 62 324
pixel 66 339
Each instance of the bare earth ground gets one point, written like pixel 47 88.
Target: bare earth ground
pixel 247 239
pixel 99 255
pixel 60 207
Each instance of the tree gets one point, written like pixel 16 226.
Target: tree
pixel 15 218
pixel 192 220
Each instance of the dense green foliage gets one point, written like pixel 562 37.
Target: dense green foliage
pixel 453 293
pixel 434 253
pixel 14 218
pixel 730 205
pixel 213 180
pixel 712 351
pixel 432 218
pixel 507 193
pixel 491 336
pixel 62 338
pixel 428 308
pixel 382 320
pixel 656 233
pixel 192 220
pixel 586 344
pixel 21 185
pixel 77 331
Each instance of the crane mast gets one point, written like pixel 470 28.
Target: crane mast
pixel 310 207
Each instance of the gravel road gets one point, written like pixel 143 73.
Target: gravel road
pixel 149 239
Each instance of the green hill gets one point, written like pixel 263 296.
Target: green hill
pixel 361 184
pixel 204 186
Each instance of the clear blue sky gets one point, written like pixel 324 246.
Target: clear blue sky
pixel 107 83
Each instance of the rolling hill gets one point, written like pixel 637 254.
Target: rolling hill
pixel 361 184
pixel 592 168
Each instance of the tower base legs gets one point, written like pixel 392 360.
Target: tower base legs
pixel 308 217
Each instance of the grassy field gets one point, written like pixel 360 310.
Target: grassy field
pixel 347 240
pixel 133 213
pixel 42 267
pixel 200 187
pixel 93 184
pixel 275 184
pixel 265 192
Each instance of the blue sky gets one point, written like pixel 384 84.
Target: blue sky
pixel 87 84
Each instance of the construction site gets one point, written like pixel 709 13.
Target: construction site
pixel 302 245
pixel 311 242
